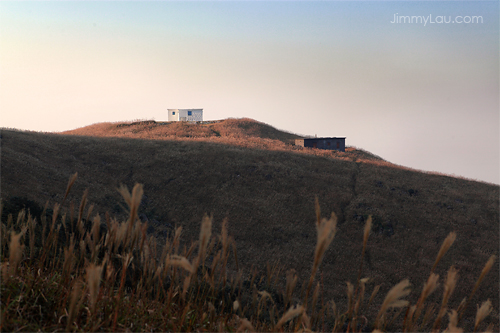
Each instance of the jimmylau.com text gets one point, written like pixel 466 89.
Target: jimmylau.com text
pixel 440 19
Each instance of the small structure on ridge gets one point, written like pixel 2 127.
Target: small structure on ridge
pixel 322 143
pixel 185 114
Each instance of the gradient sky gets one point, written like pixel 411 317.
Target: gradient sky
pixel 425 97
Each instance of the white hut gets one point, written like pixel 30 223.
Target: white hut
pixel 185 114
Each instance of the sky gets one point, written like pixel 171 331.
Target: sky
pixel 415 82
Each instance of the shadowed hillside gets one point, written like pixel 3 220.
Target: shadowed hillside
pixel 268 197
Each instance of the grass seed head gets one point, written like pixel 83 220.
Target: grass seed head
pixel 293 312
pixel 488 265
pixel 15 250
pixel 264 294
pixel 317 209
pixel 205 234
pixel 374 293
pixel 452 326
pixel 334 309
pixel 482 312
pixel 94 281
pixel 393 298
pixel 179 261
pixel 449 287
pixel 20 217
pixel 185 287
pixel 326 230
pixel 75 296
pixel 450 284
pixel 448 242
pixel 70 184
pixel 177 236
pixel 430 286
pixel 245 325
pixel 68 258
pixel 133 201
pixel 306 322
pixel 368 228
pixel 83 203
pixel 486 269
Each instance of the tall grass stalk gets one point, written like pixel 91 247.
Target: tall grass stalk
pixel 482 313
pixel 448 242
pixel 449 287
pixel 15 251
pixel 487 267
pixel 326 230
pixel 393 300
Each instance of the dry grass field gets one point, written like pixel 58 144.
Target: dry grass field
pixel 252 175
pixel 238 132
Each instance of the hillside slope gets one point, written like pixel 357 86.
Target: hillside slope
pixel 268 197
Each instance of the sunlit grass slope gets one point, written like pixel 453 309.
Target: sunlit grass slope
pixel 243 132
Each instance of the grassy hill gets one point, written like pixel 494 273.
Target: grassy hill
pixel 150 129
pixel 240 132
pixel 253 175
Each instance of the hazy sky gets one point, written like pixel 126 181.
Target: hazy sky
pixel 422 94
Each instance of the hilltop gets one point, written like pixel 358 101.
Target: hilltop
pixel 252 174
pixel 150 129
pixel 242 132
